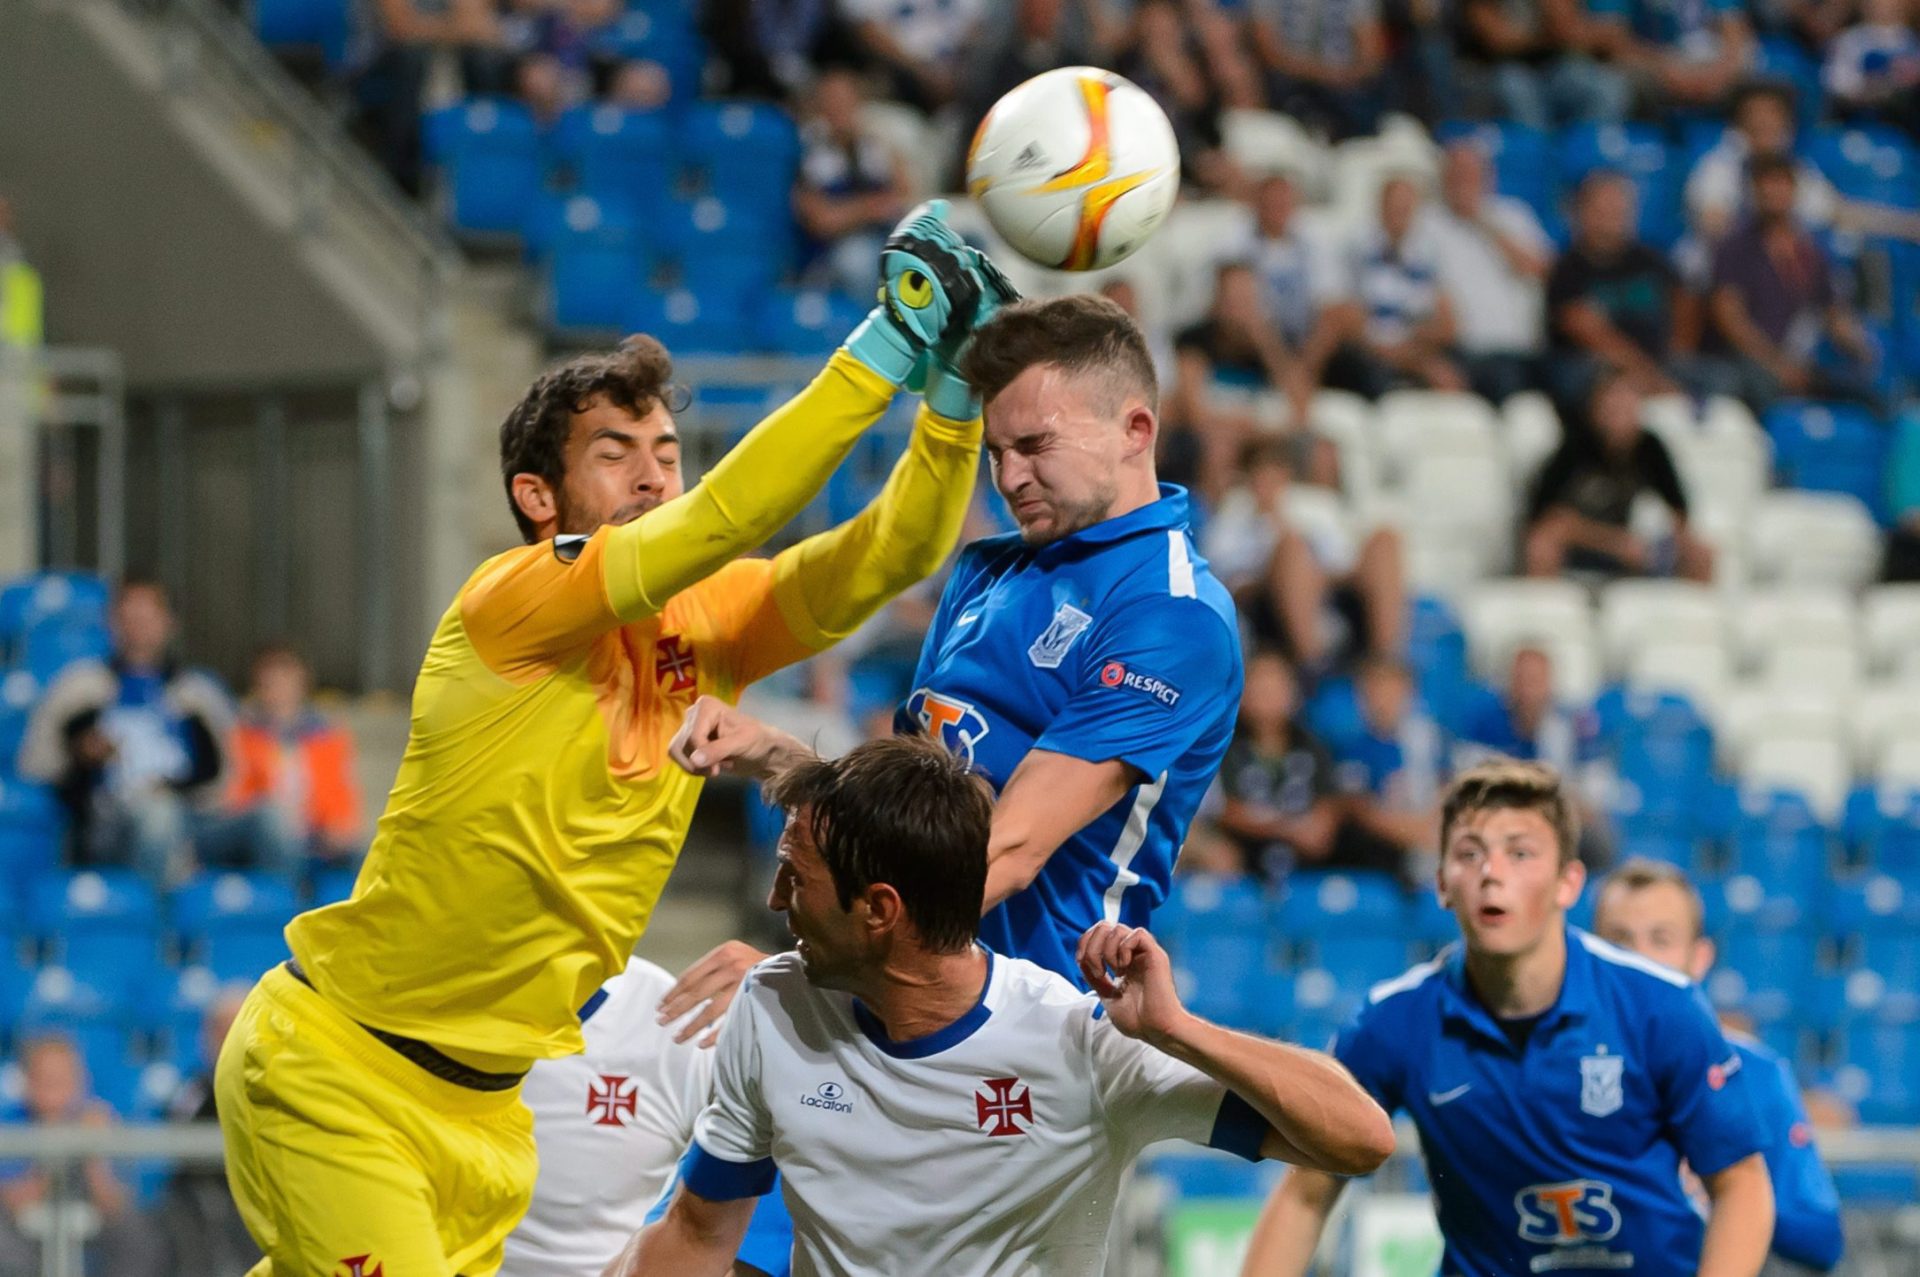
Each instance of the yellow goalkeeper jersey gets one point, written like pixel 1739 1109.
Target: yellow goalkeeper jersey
pixel 535 817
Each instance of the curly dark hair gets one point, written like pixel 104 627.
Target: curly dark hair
pixel 533 438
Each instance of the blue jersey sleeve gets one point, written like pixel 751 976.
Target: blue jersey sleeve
pixel 1704 1085
pixel 1152 682
pixel 1806 1225
pixel 1365 1046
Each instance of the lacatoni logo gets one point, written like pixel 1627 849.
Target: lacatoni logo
pixel 829 1096
pixel 1115 674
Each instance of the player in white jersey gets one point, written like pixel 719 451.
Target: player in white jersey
pixel 936 1108
pixel 611 1124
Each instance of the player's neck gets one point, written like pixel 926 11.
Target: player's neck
pixel 1514 986
pixel 1139 487
pixel 919 993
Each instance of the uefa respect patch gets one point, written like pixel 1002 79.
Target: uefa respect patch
pixel 1116 674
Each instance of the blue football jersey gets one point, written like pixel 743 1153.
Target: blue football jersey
pixel 1806 1204
pixel 1113 643
pixel 1561 1154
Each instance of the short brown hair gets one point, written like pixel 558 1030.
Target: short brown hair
pixel 906 811
pixel 533 439
pixel 1509 783
pixel 1083 333
pixel 1640 872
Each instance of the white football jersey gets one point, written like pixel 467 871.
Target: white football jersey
pixel 996 1145
pixel 611 1124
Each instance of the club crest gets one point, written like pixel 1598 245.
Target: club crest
pixel 1051 647
pixel 1601 1092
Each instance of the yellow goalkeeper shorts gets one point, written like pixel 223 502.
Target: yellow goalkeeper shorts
pixel 348 1160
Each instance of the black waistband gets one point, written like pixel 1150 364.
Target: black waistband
pixel 430 1058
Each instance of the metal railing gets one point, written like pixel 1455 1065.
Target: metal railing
pixel 69 397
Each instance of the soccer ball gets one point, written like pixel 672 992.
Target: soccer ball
pixel 1075 168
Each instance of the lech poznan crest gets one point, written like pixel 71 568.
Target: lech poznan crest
pixel 1051 647
pixel 1600 1090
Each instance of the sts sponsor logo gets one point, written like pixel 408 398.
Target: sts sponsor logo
pixel 955 724
pixel 1564 1214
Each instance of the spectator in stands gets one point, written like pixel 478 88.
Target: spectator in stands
pixel 1391 774
pixel 1760 123
pixel 1530 57
pixel 137 748
pixel 639 84
pixel 1043 35
pixel 1189 58
pixel 1493 257
pixel 1902 558
pixel 772 48
pixel 1779 322
pixel 22 323
pixel 1873 68
pixel 1678 54
pixel 1581 516
pixel 1280 803
pixel 1407 326
pixel 546 86
pixel 1289 572
pixel 1303 291
pixel 917 45
pixel 852 185
pixel 1325 61
pixel 1122 292
pixel 292 765
pixel 100 1205
pixel 1614 305
pixel 203 1227
pixel 1527 720
pixel 402 39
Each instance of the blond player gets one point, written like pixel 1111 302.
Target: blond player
pixel 369 1091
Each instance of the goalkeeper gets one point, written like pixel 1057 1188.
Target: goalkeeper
pixel 369 1092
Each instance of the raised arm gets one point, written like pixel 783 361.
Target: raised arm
pixel 1317 1116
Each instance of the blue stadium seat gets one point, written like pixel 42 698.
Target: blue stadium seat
pixel 1883 824
pixel 173 1004
pixel 720 242
pixel 233 922
pixel 1780 841
pixel 17 974
pixel 1830 448
pixel 1886 1055
pixel 1875 162
pixel 1522 161
pixel 1872 903
pixel 51 645
pixel 1877 1184
pixel 620 155
pixel 662 34
pixel 61 995
pixel 1317 904
pixel 742 148
pixel 18 692
pixel 690 321
pixel 243 956
pixel 807 322
pixel 1639 152
pixel 333 884
pixel 596 263
pixel 1782 58
pixel 1430 925
pixel 1437 651
pixel 28 600
pixel 30 808
pixel 91 902
pixel 1214 929
pixel 1764 973
pixel 494 162
pixel 294 25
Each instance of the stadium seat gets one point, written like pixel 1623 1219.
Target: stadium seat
pixel 1785 842
pixel 1215 931
pixel 721 242
pixel 26 601
pixel 229 904
pixel 1638 151
pixel 1633 611
pixel 18 692
pixel 1269 142
pixel 1522 160
pixel 1899 767
pixel 493 159
pixel 1699 672
pixel 1824 447
pixel 1814 538
pixel 1885 1057
pixel 1783 58
pixel 1875 163
pixel 60 995
pixel 1883 822
pixel 597 262
pixel 690 322
pixel 1501 615
pixel 1815 767
pixel 744 149
pixel 91 901
pixel 1764 973
pixel 1889 623
pixel 1761 711
pixel 810 322
pixel 332 885
pixel 1803 614
pixel 1533 432
pixel 51 645
pixel 1415 425
pixel 661 34
pixel 295 26
pixel 622 156
pixel 1431 926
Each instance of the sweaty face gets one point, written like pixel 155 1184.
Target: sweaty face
pixel 1055 455
pixel 829 939
pixel 618 466
pixel 1655 921
pixel 1500 874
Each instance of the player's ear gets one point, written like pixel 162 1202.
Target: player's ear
pixel 1573 879
pixel 534 497
pixel 1702 958
pixel 886 911
pixel 1141 428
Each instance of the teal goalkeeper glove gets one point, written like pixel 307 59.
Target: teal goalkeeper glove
pixel 936 375
pixel 931 289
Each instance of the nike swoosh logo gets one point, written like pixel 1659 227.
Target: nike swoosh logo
pixel 1437 1098
pixel 967 619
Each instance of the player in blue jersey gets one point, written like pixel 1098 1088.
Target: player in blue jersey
pixel 1557 1082
pixel 1648 906
pixel 1087 665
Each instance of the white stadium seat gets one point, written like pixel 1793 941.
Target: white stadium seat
pixel 1702 672
pixel 1425 423
pixel 1796 614
pixel 1890 627
pixel 1636 611
pixel 1814 766
pixel 1900 763
pixel 1814 538
pixel 1500 615
pixel 1883 713
pixel 1832 670
pixel 1757 711
pixel 1263 143
pixel 1532 431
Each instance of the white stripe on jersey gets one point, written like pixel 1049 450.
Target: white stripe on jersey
pixel 1132 837
pixel 1179 566
pixel 1613 953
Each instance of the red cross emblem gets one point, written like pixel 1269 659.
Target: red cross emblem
pixel 1001 1107
pixel 605 1103
pixel 673 661
pixel 356 1266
